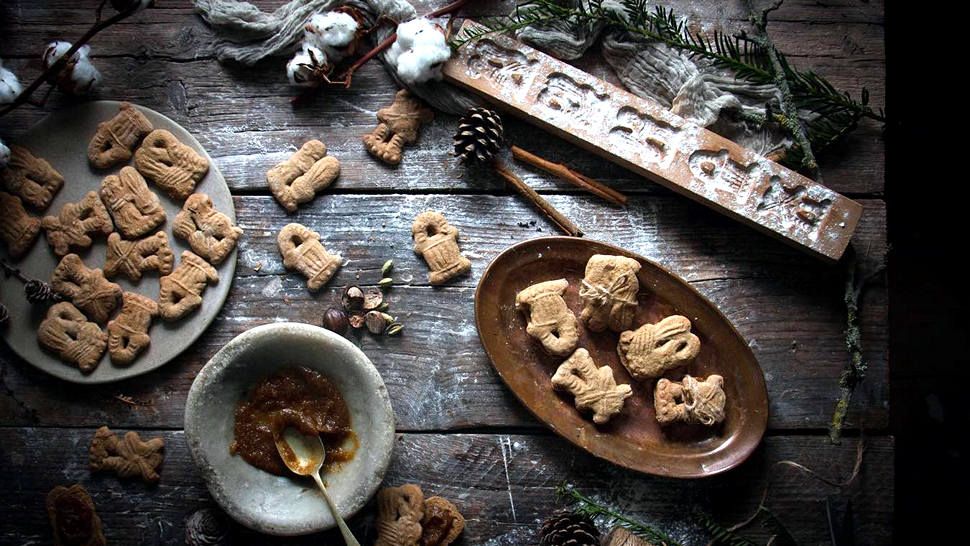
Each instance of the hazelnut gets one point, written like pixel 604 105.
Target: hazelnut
pixel 375 322
pixel 353 298
pixel 335 320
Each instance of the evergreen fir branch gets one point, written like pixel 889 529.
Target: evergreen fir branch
pixel 585 505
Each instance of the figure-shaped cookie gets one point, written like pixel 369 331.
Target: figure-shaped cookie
pixel 399 124
pixel 134 208
pixel 67 332
pixel 31 178
pixel 132 258
pixel 653 349
pixel 129 457
pixel 691 400
pixel 181 291
pixel 18 228
pixel 442 522
pixel 76 223
pixel 210 233
pixel 550 321
pixel 437 241
pixel 169 164
pixel 128 332
pixel 399 514
pixel 302 250
pixel 595 388
pixel 116 139
pixel 609 293
pixel 73 518
pixel 86 288
pixel 299 178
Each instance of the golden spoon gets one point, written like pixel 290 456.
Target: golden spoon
pixel 304 456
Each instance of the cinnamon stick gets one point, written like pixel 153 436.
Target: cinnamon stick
pixel 565 173
pixel 553 214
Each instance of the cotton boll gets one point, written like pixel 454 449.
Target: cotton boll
pixel 306 66
pixel 10 87
pixel 332 32
pixel 419 51
pixel 79 75
pixel 4 155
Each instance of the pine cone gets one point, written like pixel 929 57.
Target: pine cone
pixel 40 292
pixel 569 529
pixel 4 314
pixel 206 527
pixel 480 135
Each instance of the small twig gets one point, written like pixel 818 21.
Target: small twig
pixel 553 214
pixel 25 96
pixel 565 173
pixel 11 271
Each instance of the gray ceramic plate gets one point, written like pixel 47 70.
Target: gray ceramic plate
pixel 62 139
pixel 260 500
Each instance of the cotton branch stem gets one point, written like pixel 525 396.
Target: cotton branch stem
pixel 99 25
pixel 387 42
pixel 553 214
pixel 565 173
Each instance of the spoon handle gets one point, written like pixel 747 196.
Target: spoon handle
pixel 344 530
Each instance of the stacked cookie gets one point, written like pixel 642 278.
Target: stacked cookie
pixel 130 215
pixel 609 293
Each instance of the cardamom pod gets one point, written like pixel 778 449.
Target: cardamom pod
pixel 394 329
pixel 387 267
pixel 385 283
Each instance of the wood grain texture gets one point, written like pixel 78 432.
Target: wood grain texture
pixel 163 59
pixel 503 484
pixel 786 305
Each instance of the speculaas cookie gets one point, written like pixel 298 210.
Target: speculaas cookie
pixel 181 291
pixel 66 331
pixel 609 293
pixel 76 223
pixel 690 400
pixel 550 321
pixel 437 242
pixel 73 517
pixel 87 288
pixel 134 208
pixel 653 349
pixel 132 258
pixel 18 228
pixel 210 233
pixel 128 457
pixel 399 124
pixel 116 139
pixel 441 524
pixel 169 164
pixel 31 178
pixel 594 388
pixel 128 332
pixel 399 514
pixel 302 251
pixel 299 178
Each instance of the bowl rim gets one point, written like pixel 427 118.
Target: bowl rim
pixel 371 481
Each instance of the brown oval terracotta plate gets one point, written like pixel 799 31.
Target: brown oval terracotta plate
pixel 632 439
pixel 62 139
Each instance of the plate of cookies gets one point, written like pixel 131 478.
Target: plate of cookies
pixel 621 357
pixel 130 222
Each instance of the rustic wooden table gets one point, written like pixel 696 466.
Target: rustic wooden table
pixel 461 432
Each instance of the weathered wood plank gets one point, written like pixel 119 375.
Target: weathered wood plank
pixel 504 485
pixel 786 305
pixel 170 69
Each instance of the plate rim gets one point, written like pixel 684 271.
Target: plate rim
pixel 230 261
pixel 760 423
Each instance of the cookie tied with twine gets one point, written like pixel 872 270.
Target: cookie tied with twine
pixel 609 292
pixel 691 400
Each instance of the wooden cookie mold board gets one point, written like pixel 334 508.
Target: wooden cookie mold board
pixel 643 136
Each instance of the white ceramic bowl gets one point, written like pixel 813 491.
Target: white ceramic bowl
pixel 287 505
